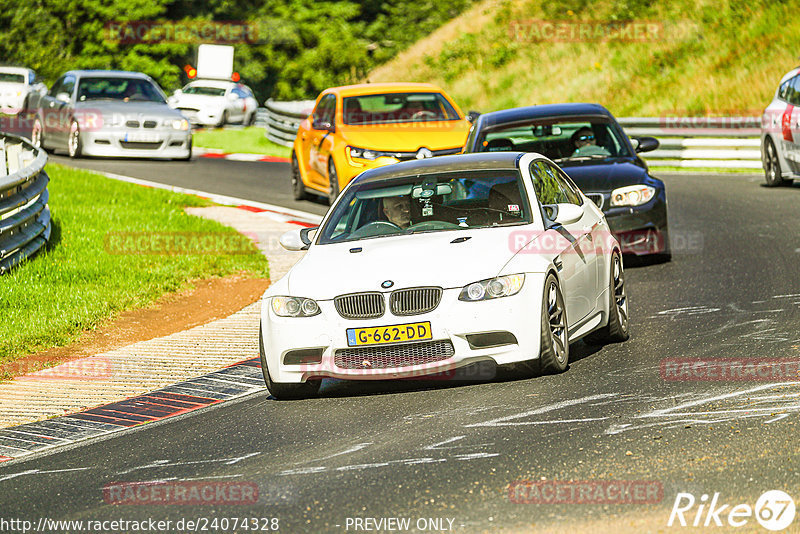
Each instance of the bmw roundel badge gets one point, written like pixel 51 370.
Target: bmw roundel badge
pixel 387 284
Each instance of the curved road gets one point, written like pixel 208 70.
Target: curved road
pixel 448 450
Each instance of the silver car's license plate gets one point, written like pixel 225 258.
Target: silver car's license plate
pixel 138 137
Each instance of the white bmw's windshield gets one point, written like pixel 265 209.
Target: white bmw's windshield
pixel 428 203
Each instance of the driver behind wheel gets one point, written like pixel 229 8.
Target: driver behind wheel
pixel 398 210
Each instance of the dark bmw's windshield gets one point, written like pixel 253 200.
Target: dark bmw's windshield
pixel 428 203
pixel 117 88
pixel 560 140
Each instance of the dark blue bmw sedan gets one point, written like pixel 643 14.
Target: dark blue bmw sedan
pixel 590 146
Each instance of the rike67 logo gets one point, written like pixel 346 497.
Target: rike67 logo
pixel 774 510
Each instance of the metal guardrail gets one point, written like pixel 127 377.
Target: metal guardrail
pixel 712 142
pixel 24 214
pixel 284 118
pixel 697 142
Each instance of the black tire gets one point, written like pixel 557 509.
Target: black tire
pixel 223 120
pixel 37 133
pixel 772 169
pixel 617 329
pixel 554 353
pixel 74 145
pixel 298 188
pixel 283 391
pixel 333 180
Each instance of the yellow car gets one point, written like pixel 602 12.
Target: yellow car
pixel 359 127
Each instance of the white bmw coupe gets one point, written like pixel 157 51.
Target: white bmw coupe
pixel 425 266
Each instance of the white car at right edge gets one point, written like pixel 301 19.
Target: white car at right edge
pixel 780 133
pixel 425 266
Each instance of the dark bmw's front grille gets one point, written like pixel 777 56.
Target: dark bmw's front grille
pixel 597 198
pixel 360 305
pixel 391 356
pixel 415 300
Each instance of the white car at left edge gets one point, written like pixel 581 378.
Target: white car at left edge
pixel 426 266
pixel 20 89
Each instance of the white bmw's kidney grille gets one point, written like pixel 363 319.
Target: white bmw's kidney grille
pixel 414 301
pixel 360 305
pixel 391 356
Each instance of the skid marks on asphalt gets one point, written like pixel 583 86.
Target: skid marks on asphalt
pixel 759 320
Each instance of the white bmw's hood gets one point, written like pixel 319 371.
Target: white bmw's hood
pixel 198 101
pixel 430 259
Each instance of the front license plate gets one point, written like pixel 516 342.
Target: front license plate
pixel 379 335
pixel 142 137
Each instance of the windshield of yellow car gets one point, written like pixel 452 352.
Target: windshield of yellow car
pixel 397 108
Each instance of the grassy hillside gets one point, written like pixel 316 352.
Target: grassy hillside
pixel 707 57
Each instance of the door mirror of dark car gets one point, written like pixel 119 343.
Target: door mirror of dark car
pixel 322 125
pixel 645 144
pixel 472 116
pixel 62 97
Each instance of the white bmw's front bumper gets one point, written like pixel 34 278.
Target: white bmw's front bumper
pixel 452 320
pixel 162 143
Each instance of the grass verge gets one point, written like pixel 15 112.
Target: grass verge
pixel 250 140
pixel 82 278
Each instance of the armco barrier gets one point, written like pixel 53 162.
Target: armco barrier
pixel 284 118
pixel 24 215
pixel 713 142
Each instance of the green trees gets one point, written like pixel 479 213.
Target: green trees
pixel 300 46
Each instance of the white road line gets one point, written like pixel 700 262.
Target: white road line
pixel 219 199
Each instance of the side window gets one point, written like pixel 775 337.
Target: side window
pixel 326 109
pixel 793 94
pixel 782 92
pixel 547 188
pixel 57 87
pixel 69 85
pixel 567 187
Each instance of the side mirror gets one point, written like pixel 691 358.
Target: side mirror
pixel 322 125
pixel 297 239
pixel 63 97
pixel 645 144
pixel 177 92
pixel 473 115
pixel 232 96
pixel 563 213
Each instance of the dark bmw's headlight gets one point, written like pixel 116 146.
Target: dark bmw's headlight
pixel 493 288
pixel 632 195
pixel 294 307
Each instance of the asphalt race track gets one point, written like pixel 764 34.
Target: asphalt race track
pixel 449 449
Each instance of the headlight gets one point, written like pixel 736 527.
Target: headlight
pixel 178 124
pixel 632 195
pixel 365 153
pixel 294 307
pixel 493 288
